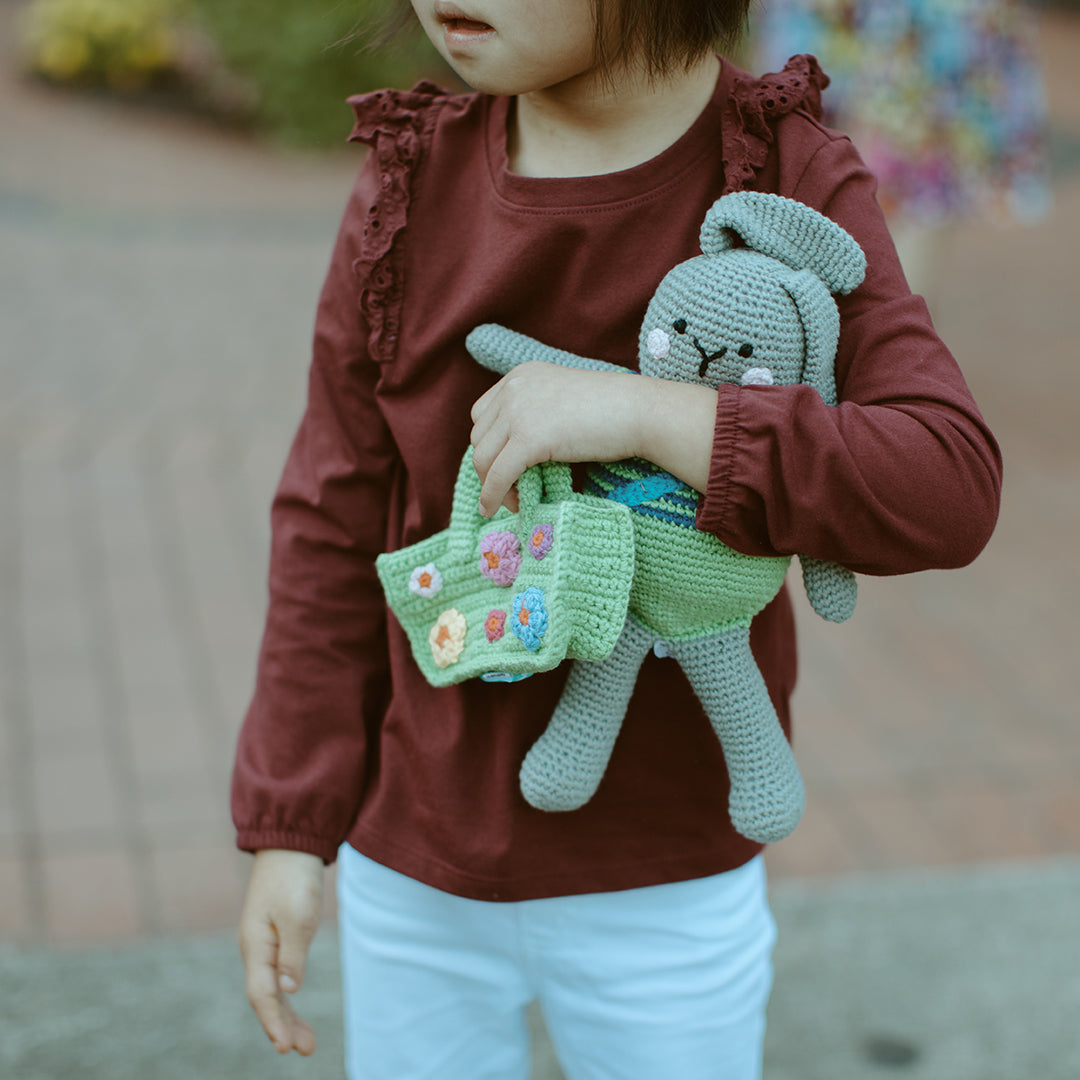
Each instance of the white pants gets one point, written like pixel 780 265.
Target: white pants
pixel 666 981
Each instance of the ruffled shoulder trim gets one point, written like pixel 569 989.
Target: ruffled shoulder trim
pixel 397 125
pixel 389 111
pixel 753 108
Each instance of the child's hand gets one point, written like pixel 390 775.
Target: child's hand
pixel 543 412
pixel 281 914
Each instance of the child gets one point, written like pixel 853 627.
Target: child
pixel 553 201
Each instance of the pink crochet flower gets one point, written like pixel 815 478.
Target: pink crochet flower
pixel 495 625
pixel 500 557
pixel 543 536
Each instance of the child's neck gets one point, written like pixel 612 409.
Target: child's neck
pixel 586 127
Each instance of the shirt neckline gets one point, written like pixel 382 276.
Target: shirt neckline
pixel 557 192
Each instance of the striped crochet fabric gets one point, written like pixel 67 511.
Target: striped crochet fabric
pixel 646 489
pixel 754 309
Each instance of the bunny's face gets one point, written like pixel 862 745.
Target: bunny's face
pixel 724 319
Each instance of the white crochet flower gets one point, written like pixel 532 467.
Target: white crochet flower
pixel 425 581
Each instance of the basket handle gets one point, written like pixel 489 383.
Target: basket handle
pixel 546 483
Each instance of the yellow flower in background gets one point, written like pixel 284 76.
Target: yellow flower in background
pixel 153 50
pixel 121 42
pixel 63 57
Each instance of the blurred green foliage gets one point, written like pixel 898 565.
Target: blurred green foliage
pixel 301 58
pixel 123 44
pixel 284 65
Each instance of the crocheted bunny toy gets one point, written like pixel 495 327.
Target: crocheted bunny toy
pixel 755 308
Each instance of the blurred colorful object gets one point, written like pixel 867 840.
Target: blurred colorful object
pixel 944 98
pixel 123 44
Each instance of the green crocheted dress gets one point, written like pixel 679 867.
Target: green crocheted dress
pixel 718 588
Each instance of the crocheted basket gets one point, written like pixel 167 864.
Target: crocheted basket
pixel 508 596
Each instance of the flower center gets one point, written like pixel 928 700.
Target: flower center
pixel 444 636
pixel 523 618
pixel 425 581
pixel 492 560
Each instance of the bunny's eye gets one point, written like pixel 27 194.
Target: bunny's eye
pixel 746 350
pixel 679 326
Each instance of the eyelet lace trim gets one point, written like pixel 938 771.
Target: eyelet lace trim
pixel 397 125
pixel 755 105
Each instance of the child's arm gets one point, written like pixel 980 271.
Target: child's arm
pixel 323 670
pixel 903 474
pixel 322 667
pixel 543 412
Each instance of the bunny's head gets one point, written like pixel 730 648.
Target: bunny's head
pixel 755 308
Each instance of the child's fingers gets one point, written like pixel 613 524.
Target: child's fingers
pixel 260 964
pixel 295 929
pixel 499 462
pixel 285 1029
pixel 498 490
pixel 482 405
pixel 487 437
pixel 487 446
pixel 301 1033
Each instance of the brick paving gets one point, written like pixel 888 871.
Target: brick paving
pixel 158 281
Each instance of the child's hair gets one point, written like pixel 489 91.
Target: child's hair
pixel 664 33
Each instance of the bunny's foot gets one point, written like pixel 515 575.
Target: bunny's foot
pixel 565 765
pixel 767 796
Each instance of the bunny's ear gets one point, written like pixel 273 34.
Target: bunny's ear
pixel 821 330
pixel 788 231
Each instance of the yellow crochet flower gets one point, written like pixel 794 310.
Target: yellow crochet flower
pixel 447 638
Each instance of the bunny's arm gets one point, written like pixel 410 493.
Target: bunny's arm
pixel 830 588
pixel 501 350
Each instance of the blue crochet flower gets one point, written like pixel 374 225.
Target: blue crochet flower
pixel 529 619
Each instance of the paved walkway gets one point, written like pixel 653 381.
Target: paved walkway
pixel 157 281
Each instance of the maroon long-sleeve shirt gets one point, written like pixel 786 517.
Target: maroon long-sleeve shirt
pixel 344 739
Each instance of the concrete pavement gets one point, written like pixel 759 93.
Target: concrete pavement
pixel 933 975
pixel 157 281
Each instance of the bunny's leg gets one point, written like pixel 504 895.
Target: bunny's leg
pixel 767 797
pixel 565 765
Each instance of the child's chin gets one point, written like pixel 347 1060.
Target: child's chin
pixel 490 78
pixel 485 83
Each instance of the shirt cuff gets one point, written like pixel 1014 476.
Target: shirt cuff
pixel 253 840
pixel 714 505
